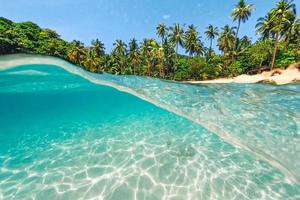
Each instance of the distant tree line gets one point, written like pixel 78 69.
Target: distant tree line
pixel 279 45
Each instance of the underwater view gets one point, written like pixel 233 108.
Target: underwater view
pixel 66 133
pixel 150 100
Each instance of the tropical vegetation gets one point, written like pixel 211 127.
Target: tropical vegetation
pixel 278 46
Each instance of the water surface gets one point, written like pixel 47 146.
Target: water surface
pixel 64 136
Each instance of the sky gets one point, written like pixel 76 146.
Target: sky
pixel 109 20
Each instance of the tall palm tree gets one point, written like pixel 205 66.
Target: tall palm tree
pixel 162 31
pixel 119 54
pixel 98 47
pixel 281 14
pixel 170 59
pixel 135 60
pixel 134 55
pixel 149 49
pixel 191 39
pixel 161 61
pixel 264 27
pixel 211 32
pixel 241 13
pixel 176 36
pixel 226 40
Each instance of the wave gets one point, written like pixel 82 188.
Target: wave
pixel 13 61
pixel 29 72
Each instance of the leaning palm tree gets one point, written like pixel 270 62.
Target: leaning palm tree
pixel 211 32
pixel 281 16
pixel 241 13
pixel 176 36
pixel 162 31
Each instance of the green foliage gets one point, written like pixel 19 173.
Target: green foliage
pixel 234 69
pixel 279 31
pixel 287 55
pixel 256 56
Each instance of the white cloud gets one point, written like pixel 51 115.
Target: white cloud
pixel 166 17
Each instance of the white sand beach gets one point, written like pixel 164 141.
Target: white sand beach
pixel 276 76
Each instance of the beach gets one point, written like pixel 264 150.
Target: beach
pixel 275 76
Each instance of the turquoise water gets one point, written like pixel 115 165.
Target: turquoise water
pixel 63 136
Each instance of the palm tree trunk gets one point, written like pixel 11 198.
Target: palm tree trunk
pixel 260 67
pixel 210 47
pixel 176 62
pixel 236 36
pixel 275 50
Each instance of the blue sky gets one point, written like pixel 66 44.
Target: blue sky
pixel 123 19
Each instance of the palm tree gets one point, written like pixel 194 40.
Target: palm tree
pixel 162 32
pixel 211 32
pixel 170 59
pixel 244 43
pixel 98 47
pixel 76 52
pixel 241 13
pixel 264 27
pixel 176 36
pixel 192 39
pixel 281 14
pixel 293 31
pixel 120 48
pixel 226 40
pixel 199 48
pixel 148 51
pixel 91 62
pixel 119 53
pixel 161 61
pixel 134 56
pixel 133 45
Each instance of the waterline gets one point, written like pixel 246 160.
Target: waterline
pixel 15 61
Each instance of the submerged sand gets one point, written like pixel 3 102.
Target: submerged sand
pixel 276 76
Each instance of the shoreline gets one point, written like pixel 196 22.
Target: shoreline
pixel 276 76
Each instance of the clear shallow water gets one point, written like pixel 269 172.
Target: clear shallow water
pixel 63 137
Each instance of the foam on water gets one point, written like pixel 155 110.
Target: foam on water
pixel 62 137
pixel 29 72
